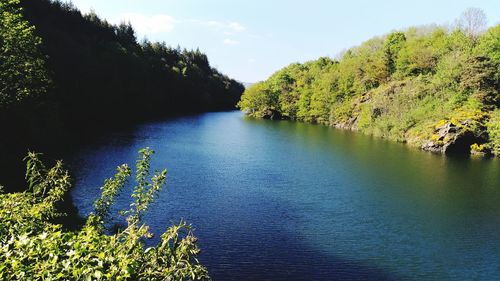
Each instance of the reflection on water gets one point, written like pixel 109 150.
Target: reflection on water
pixel 278 200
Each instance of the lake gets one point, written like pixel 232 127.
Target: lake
pixel 281 200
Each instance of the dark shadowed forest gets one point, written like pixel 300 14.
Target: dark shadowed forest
pixel 74 74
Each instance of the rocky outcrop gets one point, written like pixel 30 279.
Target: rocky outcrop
pixel 451 138
pixel 272 114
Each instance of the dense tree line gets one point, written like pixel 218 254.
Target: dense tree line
pixel 431 86
pixel 65 72
pixel 101 70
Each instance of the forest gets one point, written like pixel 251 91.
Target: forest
pixel 432 87
pixel 64 73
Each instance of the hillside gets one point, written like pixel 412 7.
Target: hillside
pixel 65 75
pixel 99 66
pixel 430 87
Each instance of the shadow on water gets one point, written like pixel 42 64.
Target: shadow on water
pixel 59 141
pixel 281 255
pixel 259 246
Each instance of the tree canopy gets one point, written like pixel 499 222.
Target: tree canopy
pixel 23 72
pixel 429 86
pixel 101 72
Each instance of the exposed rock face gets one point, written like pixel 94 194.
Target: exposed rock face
pixel 450 138
pixel 272 114
pixel 347 125
pixel 445 133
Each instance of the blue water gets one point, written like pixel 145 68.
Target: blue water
pixel 278 200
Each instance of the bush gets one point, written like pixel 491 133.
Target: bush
pixel 33 247
pixel 479 149
pixel 494 131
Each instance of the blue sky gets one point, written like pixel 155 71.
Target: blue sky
pixel 249 40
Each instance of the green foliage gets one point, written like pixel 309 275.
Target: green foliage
pixel 32 247
pixel 479 149
pixel 481 75
pixel 110 190
pixel 392 45
pixel 489 44
pixel 398 86
pixel 23 73
pixel 493 126
pixel 260 101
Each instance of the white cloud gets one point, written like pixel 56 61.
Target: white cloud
pixel 228 41
pixel 226 27
pixel 149 24
pixel 251 60
pixel 214 23
pixel 236 26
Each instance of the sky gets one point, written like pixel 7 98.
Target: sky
pixel 251 39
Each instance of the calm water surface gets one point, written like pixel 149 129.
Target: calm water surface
pixel 278 200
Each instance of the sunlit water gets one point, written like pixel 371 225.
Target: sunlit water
pixel 278 200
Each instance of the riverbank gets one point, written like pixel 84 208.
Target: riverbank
pixel 433 88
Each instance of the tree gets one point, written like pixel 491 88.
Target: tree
pixel 126 34
pixel 392 45
pixel 481 75
pixel 472 21
pixel 22 65
pixel 489 44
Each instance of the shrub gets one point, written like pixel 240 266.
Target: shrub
pixel 479 149
pixel 493 126
pixel 33 247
